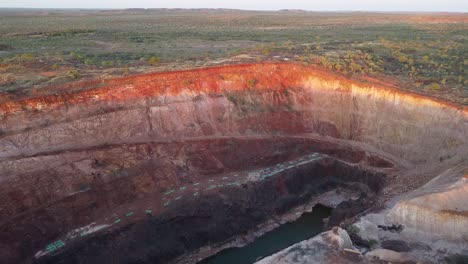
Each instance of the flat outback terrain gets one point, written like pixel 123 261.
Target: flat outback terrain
pixel 218 136
pixel 422 52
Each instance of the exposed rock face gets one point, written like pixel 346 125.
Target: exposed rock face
pixel 68 160
pixel 440 208
pixel 395 245
pixel 389 256
pixel 327 247
pixel 433 220
pixel 284 98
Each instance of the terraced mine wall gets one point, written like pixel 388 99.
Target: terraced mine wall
pixel 215 217
pixel 71 158
pixel 263 99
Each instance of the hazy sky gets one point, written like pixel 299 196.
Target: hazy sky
pixel 365 5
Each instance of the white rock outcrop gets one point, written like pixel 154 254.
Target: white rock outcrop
pixel 323 248
pixel 438 209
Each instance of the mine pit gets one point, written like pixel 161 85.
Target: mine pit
pixel 307 226
pixel 175 167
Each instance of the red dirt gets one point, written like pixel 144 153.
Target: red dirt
pixel 209 80
pixel 49 74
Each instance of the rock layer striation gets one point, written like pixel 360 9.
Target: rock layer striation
pixel 69 159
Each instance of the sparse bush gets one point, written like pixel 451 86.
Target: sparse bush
pixel 153 61
pixel 24 58
pixel 27 57
pixel 252 82
pixel 126 71
pixel 405 53
pixel 74 74
pixel 89 62
pixel 107 63
pixel 7 79
pixel 433 86
pixel 266 51
pixel 402 58
pixel 13 68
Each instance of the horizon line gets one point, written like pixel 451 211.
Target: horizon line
pixel 234 9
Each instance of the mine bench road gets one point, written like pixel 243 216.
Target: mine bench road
pixel 158 202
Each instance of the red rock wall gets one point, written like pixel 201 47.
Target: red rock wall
pixel 256 99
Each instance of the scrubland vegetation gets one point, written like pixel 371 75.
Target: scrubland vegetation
pixel 421 52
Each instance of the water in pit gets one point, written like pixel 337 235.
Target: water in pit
pixel 307 226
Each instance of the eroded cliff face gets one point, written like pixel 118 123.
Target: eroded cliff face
pixel 263 99
pixel 438 209
pixel 75 157
pixel 427 224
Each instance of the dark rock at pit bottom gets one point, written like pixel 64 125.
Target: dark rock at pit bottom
pixel 396 245
pixel 213 218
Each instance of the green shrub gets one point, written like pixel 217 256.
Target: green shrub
pixel 107 63
pixel 74 74
pixel 89 62
pixel 153 61
pixel 433 86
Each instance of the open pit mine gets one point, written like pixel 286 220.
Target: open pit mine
pixel 175 167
